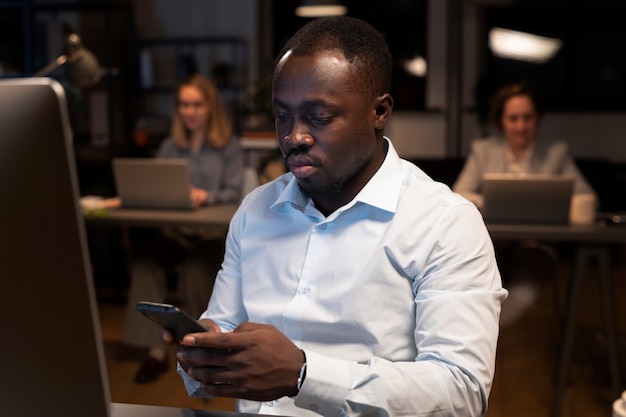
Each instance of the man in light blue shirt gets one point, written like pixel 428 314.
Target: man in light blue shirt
pixel 354 284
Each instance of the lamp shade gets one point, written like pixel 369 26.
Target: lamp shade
pixel 83 68
pixel 319 8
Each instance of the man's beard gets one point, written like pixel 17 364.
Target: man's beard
pixel 333 187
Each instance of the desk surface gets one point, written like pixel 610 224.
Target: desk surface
pixel 211 216
pixel 571 233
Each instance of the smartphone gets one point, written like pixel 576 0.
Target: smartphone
pixel 170 318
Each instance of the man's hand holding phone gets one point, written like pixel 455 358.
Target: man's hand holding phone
pixel 254 361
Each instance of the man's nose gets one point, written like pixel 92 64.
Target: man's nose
pixel 301 139
pixel 299 136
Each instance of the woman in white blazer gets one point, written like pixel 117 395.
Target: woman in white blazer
pixel 516 113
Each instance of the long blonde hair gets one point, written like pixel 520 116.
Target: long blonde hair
pixel 218 129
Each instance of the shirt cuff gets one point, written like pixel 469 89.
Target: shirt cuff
pixel 191 385
pixel 326 385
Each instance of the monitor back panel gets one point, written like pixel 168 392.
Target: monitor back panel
pixel 529 199
pixel 51 356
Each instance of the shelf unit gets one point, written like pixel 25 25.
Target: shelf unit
pixel 31 36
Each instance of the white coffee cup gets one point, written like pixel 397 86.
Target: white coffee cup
pixel 619 406
pixel 583 209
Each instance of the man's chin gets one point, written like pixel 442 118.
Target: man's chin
pixel 313 191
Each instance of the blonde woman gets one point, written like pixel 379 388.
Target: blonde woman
pixel 201 133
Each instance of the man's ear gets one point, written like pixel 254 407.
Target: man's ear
pixel 384 106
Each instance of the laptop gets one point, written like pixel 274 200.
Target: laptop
pixel 152 183
pixel 526 199
pixel 51 356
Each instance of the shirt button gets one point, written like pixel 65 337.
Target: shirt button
pixel 322 226
pixel 305 290
pixel 271 403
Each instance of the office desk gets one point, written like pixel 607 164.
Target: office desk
pixel 137 410
pixel 220 215
pixel 593 242
pixel 216 217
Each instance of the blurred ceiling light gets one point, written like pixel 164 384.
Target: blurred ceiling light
pixel 506 43
pixel 319 8
pixel 416 66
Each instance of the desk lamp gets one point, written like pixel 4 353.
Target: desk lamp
pixel 83 67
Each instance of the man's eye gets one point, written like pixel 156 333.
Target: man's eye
pixel 321 119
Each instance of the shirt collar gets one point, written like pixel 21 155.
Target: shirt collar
pixel 381 191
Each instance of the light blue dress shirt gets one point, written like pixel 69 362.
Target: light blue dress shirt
pixel 395 297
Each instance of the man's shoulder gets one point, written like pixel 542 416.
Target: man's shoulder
pixel 419 186
pixel 267 193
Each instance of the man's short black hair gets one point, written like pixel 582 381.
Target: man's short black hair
pixel 361 44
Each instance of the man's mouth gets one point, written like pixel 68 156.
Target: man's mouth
pixel 300 166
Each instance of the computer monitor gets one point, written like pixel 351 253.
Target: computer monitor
pixel 51 356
